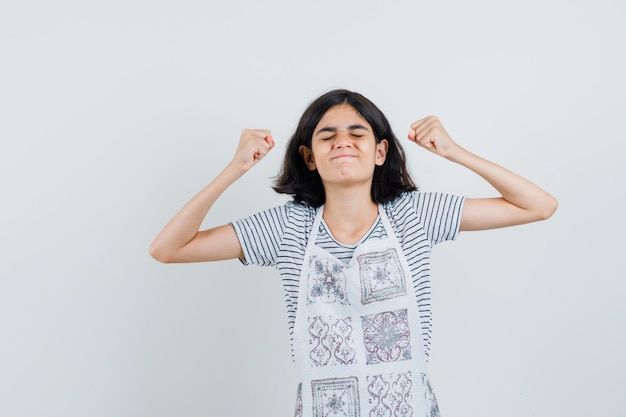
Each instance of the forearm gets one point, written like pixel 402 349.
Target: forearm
pixel 184 226
pixel 521 201
pixel 513 188
pixel 181 240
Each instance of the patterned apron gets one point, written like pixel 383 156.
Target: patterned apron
pixel 357 339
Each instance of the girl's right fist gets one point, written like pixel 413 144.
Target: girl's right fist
pixel 254 144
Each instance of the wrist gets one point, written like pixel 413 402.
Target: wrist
pixel 232 172
pixel 459 155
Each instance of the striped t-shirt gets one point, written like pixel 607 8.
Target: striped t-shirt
pixel 278 237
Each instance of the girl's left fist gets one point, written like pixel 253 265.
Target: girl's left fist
pixel 430 134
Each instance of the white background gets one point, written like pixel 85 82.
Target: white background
pixel 113 114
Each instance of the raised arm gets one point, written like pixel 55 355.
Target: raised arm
pixel 181 240
pixel 521 201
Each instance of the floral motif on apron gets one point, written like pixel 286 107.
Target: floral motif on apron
pixel 357 341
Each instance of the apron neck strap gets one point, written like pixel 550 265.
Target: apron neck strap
pixel 318 220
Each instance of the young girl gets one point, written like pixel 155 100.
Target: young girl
pixel 352 249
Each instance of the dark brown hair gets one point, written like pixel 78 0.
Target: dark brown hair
pixel 390 180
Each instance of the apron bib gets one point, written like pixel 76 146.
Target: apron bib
pixel 357 340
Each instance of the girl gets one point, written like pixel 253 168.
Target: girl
pixel 352 249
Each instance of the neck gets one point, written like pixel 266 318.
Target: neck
pixel 349 213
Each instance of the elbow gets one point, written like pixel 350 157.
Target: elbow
pixel 159 253
pixel 548 208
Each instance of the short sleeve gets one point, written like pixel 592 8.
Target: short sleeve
pixel 261 234
pixel 440 214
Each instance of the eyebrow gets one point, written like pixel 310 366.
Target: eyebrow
pixel 334 129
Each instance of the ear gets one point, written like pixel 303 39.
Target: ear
pixel 307 156
pixel 381 151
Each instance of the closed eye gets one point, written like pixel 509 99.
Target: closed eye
pixel 354 135
pixel 355 130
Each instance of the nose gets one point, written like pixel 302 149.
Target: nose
pixel 343 139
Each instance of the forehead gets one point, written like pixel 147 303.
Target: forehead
pixel 341 115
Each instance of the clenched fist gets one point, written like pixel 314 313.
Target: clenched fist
pixel 430 134
pixel 254 144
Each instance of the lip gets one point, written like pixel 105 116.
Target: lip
pixel 343 156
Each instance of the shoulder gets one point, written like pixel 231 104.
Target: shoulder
pixel 299 218
pixel 402 204
pixel 290 214
pixel 299 209
pixel 424 206
pixel 426 200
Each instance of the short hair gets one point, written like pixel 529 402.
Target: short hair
pixel 390 179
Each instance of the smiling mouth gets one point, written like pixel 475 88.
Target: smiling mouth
pixel 343 156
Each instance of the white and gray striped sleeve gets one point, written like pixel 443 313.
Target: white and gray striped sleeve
pixel 440 215
pixel 261 234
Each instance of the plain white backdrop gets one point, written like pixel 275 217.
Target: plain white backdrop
pixel 113 114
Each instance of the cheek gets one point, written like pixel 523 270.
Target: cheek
pixel 320 149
